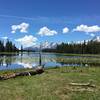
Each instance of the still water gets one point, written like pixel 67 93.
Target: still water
pixel 31 60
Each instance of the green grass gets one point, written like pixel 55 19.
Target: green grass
pixel 71 54
pixel 53 84
pixel 92 61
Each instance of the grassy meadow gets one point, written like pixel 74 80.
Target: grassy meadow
pixel 53 84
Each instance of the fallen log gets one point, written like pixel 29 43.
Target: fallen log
pixel 38 70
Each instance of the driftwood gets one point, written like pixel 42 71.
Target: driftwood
pixel 83 84
pixel 38 70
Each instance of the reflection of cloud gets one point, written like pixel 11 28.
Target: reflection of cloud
pixel 25 65
pixel 4 64
pixel 34 65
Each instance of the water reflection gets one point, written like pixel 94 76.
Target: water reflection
pixel 7 60
pixel 30 60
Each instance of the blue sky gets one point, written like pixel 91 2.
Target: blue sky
pixel 37 21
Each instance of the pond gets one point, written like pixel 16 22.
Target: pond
pixel 31 60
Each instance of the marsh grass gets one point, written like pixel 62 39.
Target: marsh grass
pixel 83 61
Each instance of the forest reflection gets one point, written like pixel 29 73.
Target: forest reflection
pixel 7 59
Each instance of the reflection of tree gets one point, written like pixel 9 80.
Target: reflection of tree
pixel 40 55
pixel 7 60
pixel 10 60
pixel 1 61
pixel 21 57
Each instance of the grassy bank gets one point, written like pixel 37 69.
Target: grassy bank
pixel 92 61
pixel 53 84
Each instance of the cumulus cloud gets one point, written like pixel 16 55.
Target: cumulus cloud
pixel 87 29
pixel 92 34
pixel 45 31
pixel 65 30
pixel 27 40
pixel 21 27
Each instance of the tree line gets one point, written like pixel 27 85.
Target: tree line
pixel 90 47
pixel 7 46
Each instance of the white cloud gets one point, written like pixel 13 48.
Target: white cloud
pixel 65 30
pixel 21 27
pixel 27 40
pixel 4 38
pixel 45 31
pixel 92 34
pixel 87 29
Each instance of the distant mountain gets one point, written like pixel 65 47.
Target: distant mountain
pixel 96 38
pixel 31 48
pixel 45 45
